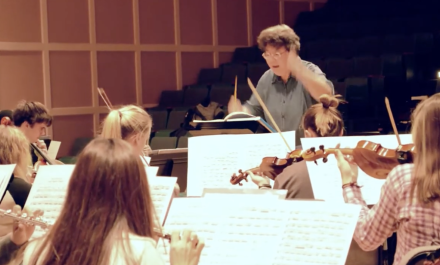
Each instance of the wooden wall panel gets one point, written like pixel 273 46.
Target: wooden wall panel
pixel 59 51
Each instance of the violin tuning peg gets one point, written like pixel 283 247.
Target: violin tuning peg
pixel 316 162
pixel 325 160
pixel 312 149
pixel 321 147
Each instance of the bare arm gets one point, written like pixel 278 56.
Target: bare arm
pixel 316 84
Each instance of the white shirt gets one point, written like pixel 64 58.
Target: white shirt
pixel 144 249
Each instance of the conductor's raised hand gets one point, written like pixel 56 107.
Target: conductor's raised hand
pixel 185 248
pixel 348 168
pixel 234 105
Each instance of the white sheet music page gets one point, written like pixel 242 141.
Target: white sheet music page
pixel 162 189
pixel 52 152
pixel 316 232
pixel 326 178
pixel 48 192
pixel 227 154
pixel 151 171
pixel 6 172
pixel 194 214
pixel 251 233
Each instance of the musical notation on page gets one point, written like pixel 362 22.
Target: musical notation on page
pixel 48 192
pixel 230 153
pixel 162 189
pixel 326 178
pixel 316 232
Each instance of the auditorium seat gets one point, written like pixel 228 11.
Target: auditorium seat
pixel 320 63
pixel 392 64
pixel 339 87
pixel 341 48
pixel 356 93
pixel 209 76
pixel 423 42
pixel 367 65
pixel 339 68
pixel 160 118
pixel 221 93
pixel 171 98
pixel 377 96
pixel 371 45
pixel 182 142
pixel 398 44
pixel 317 49
pixel 245 54
pixel 194 95
pixel 231 70
pixel 244 92
pixel 163 143
pixel 256 71
pixel 176 118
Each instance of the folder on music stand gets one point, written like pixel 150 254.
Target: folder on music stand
pixel 234 123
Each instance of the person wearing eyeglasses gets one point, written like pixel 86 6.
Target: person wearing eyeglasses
pixel 290 86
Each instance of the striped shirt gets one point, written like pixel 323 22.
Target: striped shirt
pixel 417 224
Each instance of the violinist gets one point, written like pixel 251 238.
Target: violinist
pixel 32 118
pixel 410 199
pixel 320 120
pixel 108 217
pixel 290 86
pixel 14 150
pixel 132 124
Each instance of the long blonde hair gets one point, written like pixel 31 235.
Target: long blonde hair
pixel 15 149
pixel 426 138
pixel 125 122
pixel 324 118
pixel 102 207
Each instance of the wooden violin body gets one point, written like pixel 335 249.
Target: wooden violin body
pixel 375 160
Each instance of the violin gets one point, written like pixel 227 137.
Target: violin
pixel 271 167
pixel 375 160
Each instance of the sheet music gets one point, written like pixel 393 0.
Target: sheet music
pixel 162 189
pixel 145 158
pixel 48 192
pixel 251 232
pixel 6 172
pixel 228 154
pixel 234 193
pixel 316 232
pixel 52 152
pixel 326 178
pixel 151 171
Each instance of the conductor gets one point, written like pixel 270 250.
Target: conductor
pixel 290 86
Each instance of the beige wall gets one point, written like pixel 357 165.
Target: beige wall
pixel 59 51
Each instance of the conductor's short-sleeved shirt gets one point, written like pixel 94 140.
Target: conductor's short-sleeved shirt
pixel 287 102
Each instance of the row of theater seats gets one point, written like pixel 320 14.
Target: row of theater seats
pixel 193 95
pixel 363 66
pixel 371 46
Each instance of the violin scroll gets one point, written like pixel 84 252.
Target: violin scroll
pixel 236 179
pixel 6 121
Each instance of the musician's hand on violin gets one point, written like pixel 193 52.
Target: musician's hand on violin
pixel 41 145
pixel 22 232
pixel 176 190
pixel 258 178
pixel 347 167
pixel 185 248
pixel 234 105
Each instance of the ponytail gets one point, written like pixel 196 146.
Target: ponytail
pixel 111 127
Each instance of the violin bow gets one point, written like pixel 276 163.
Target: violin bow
pixel 110 107
pixel 393 123
pixel 268 113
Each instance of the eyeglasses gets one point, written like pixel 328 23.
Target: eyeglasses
pixel 275 56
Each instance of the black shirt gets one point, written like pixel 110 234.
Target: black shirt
pixel 19 190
